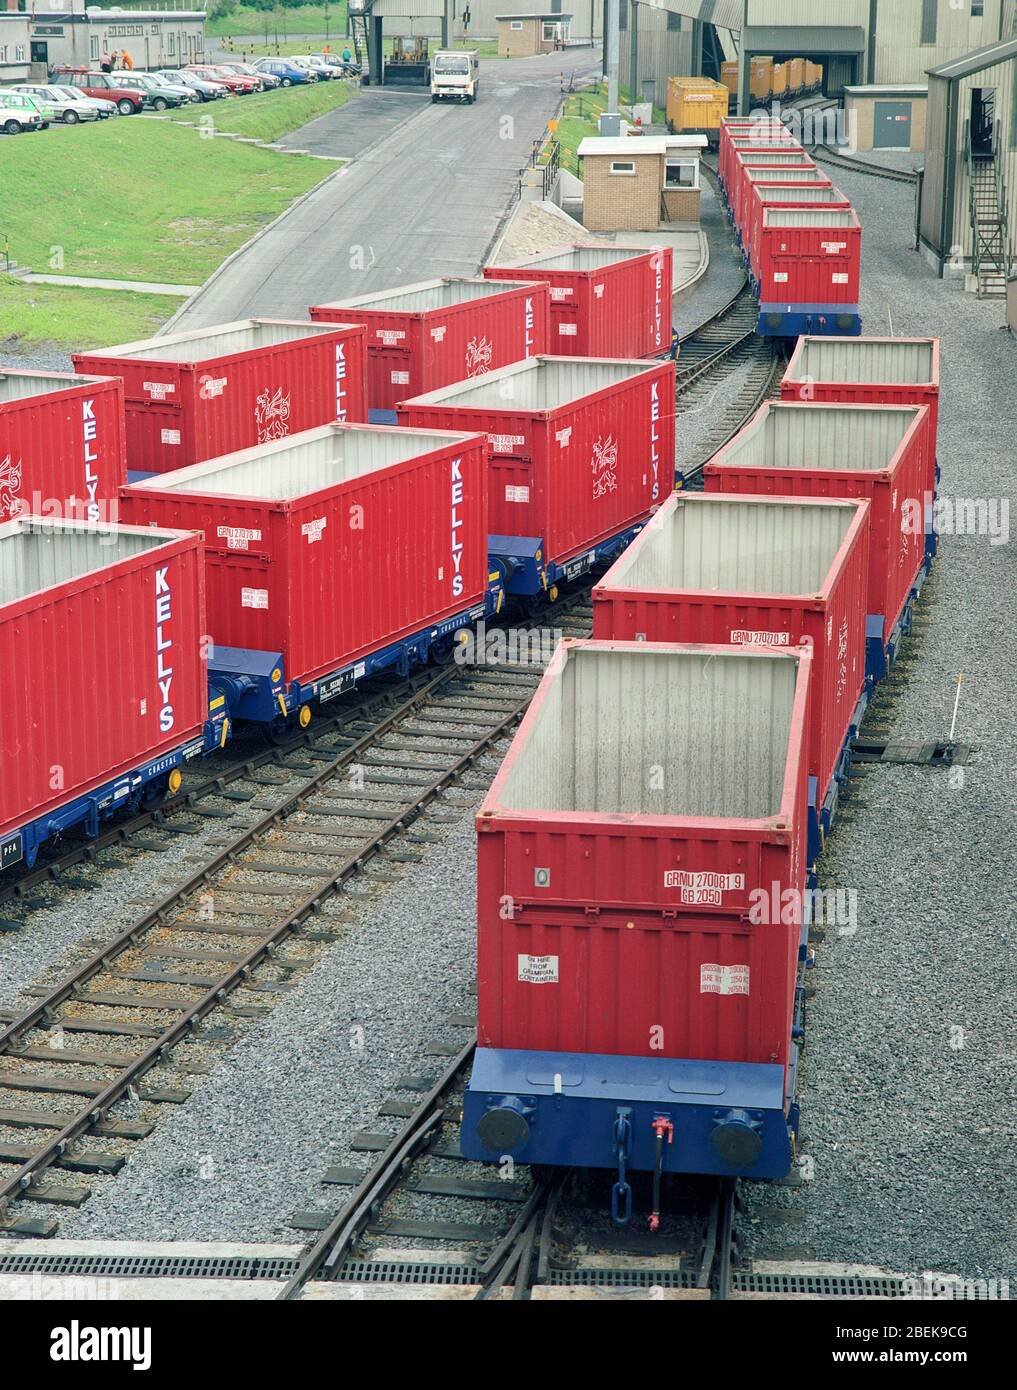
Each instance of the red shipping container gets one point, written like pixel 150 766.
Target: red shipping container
pixel 763 133
pixel 606 301
pixel 877 452
pixel 62 451
pixel 334 543
pixel 634 839
pixel 102 666
pixel 774 159
pixel 772 571
pixel 194 396
pixel 869 371
pixel 580 449
pixel 761 197
pixel 808 257
pixel 424 336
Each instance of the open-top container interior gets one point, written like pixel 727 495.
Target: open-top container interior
pixel 302 464
pixel 648 732
pixel 586 257
pixel 224 340
pixel 18 386
pixel 895 361
pixel 733 545
pixel 805 194
pixel 538 383
pixel 805 217
pixel 429 294
pixel 36 555
pixel 821 436
pixel 790 174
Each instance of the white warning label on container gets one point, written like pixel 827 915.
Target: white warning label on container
pixel 598 291
pixel 780 276
pixel 254 598
pixel 400 378
pixel 723 979
pixel 211 387
pixel 538 970
pixel 560 292
pixel 760 637
pixel 237 537
pixel 516 494
pixel 313 529
pixel 568 330
pixel 438 334
pixel 505 443
pixel 832 247
pixel 158 390
pixel 840 279
pixel 170 436
pixel 563 436
pixel 390 336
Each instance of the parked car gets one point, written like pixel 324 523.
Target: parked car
pixel 104 85
pixel 266 80
pixel 203 88
pixel 18 113
pixel 45 109
pixel 87 105
pixel 322 70
pixel 289 74
pixel 343 67
pixel 243 86
pixel 154 97
pixel 53 105
pixel 166 84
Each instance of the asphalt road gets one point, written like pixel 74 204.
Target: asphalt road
pixel 424 199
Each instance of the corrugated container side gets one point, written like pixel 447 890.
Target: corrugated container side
pixel 877 452
pixel 344 569
pixel 761 79
pixel 729 76
pixel 62 448
pixel 752 570
pixel 412 350
pixel 808 257
pixel 184 410
pixel 630 930
pixel 577 473
pixel 796 75
pixel 695 104
pixel 761 196
pixel 739 128
pixel 779 83
pixel 600 306
pixel 775 159
pixel 103 666
pixel 869 371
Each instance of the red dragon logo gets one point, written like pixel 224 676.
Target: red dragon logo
pixel 479 352
pixel 11 504
pixel 272 415
pixel 604 467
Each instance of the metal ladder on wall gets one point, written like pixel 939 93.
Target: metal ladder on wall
pixel 991 251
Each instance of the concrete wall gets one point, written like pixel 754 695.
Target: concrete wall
pixel 164 43
pixel 14 48
pixel 622 202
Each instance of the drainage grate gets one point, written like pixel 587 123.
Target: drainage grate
pixel 625 1278
pixel 150 1266
pixel 399 1272
pixel 847 1286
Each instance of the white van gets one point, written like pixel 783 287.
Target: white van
pixel 455 73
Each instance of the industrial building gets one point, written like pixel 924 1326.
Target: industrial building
pixel 969 191
pixel 71 34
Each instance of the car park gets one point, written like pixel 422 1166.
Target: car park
pixel 322 70
pixel 167 84
pixel 203 88
pixel 153 96
pixel 85 103
pixel 233 81
pixel 56 105
pixel 104 85
pixel 289 73
pixel 19 113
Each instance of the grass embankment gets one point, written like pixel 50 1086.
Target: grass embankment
pixel 267 115
pixel 75 319
pixel 303 19
pixel 580 118
pixel 130 199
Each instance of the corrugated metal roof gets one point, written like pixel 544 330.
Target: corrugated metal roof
pixel 726 14
pixel 956 68
pixel 816 39
pixel 639 144
pixel 890 89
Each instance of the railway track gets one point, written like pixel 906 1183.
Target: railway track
pixel 863 166
pixel 236 932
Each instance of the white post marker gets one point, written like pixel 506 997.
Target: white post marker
pixel 956 702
